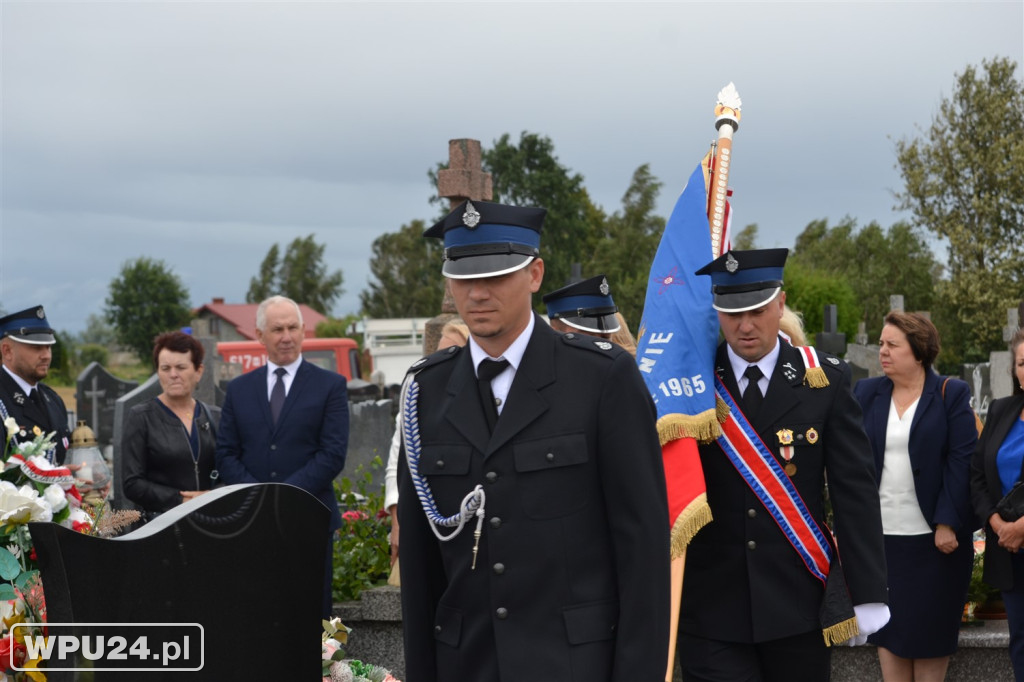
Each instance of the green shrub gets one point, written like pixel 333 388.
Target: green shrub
pixel 362 552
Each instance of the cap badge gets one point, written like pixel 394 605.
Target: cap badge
pixel 39 312
pixel 603 345
pixel 731 264
pixel 812 436
pixel 471 218
pixel 604 286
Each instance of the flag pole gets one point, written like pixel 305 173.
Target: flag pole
pixel 727 122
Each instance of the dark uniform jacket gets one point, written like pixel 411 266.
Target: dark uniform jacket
pixel 572 577
pixel 942 438
pixel 157 459
pixel 27 414
pixel 743 581
pixel 987 490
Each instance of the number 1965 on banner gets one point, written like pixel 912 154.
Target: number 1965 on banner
pixel 682 386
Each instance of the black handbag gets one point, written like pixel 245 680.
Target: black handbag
pixel 1011 507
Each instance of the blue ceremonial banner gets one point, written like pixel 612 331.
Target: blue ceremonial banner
pixel 679 329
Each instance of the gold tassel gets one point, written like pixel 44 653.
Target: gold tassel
pixel 703 426
pixel 840 632
pixel 815 377
pixel 721 410
pixel 696 515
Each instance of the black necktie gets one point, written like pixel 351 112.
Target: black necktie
pixel 487 370
pixel 35 396
pixel 277 395
pixel 752 397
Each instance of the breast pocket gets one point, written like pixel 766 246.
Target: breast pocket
pixel 553 475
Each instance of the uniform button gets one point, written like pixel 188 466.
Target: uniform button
pixel 751 544
pixel 799 436
pixel 550 457
pixel 751 513
pixel 491 476
pixel 570 335
pixel 501 613
pixel 440 464
pixel 499 569
pixel 495 522
pixel 273 474
pixel 437 628
pixel 273 447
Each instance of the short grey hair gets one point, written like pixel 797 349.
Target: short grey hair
pixel 261 311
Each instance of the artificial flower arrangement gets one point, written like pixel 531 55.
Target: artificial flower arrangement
pixel 336 668
pixel 34 489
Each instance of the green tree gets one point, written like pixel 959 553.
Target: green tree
pixel 301 275
pixel 146 299
pixel 745 239
pixel 809 291
pixel 97 331
pixel 625 244
pixel 964 182
pixel 407 270
pixel 529 174
pixel 874 263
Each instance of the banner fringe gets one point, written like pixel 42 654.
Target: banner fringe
pixel 703 426
pixel 696 515
pixel 840 632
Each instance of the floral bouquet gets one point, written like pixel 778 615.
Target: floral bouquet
pixel 34 489
pixel 336 668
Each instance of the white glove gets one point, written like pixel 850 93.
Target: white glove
pixel 870 619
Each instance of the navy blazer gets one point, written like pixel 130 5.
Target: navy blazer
pixel 942 437
pixel 307 447
pixel 986 488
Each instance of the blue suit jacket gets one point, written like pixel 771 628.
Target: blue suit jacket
pixel 306 448
pixel 942 438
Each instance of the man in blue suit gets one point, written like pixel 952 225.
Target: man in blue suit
pixel 286 422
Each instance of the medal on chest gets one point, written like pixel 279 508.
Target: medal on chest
pixel 787 450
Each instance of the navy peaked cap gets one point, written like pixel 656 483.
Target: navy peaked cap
pixel 485 239
pixel 586 305
pixel 745 280
pixel 28 326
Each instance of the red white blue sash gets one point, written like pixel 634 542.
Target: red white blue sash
pixel 762 472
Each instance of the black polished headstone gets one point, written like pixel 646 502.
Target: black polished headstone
pixel 96 393
pixel 245 561
pixel 361 391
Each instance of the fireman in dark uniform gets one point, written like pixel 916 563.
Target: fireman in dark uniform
pixel 555 461
pixel 26 341
pixel 751 609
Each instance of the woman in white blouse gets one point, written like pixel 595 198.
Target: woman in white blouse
pixel 922 433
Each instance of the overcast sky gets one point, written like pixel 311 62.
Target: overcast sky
pixel 202 133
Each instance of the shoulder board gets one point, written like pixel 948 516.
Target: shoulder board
pixel 433 359
pixel 591 343
pixel 831 362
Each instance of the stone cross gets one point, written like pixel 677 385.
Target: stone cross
pixel 1013 316
pixel 830 340
pixel 463 179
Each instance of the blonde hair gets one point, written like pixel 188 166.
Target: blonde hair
pixel 623 337
pixel 792 325
pixel 455 329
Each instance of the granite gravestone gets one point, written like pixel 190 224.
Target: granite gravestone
pixel 97 392
pixel 245 562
